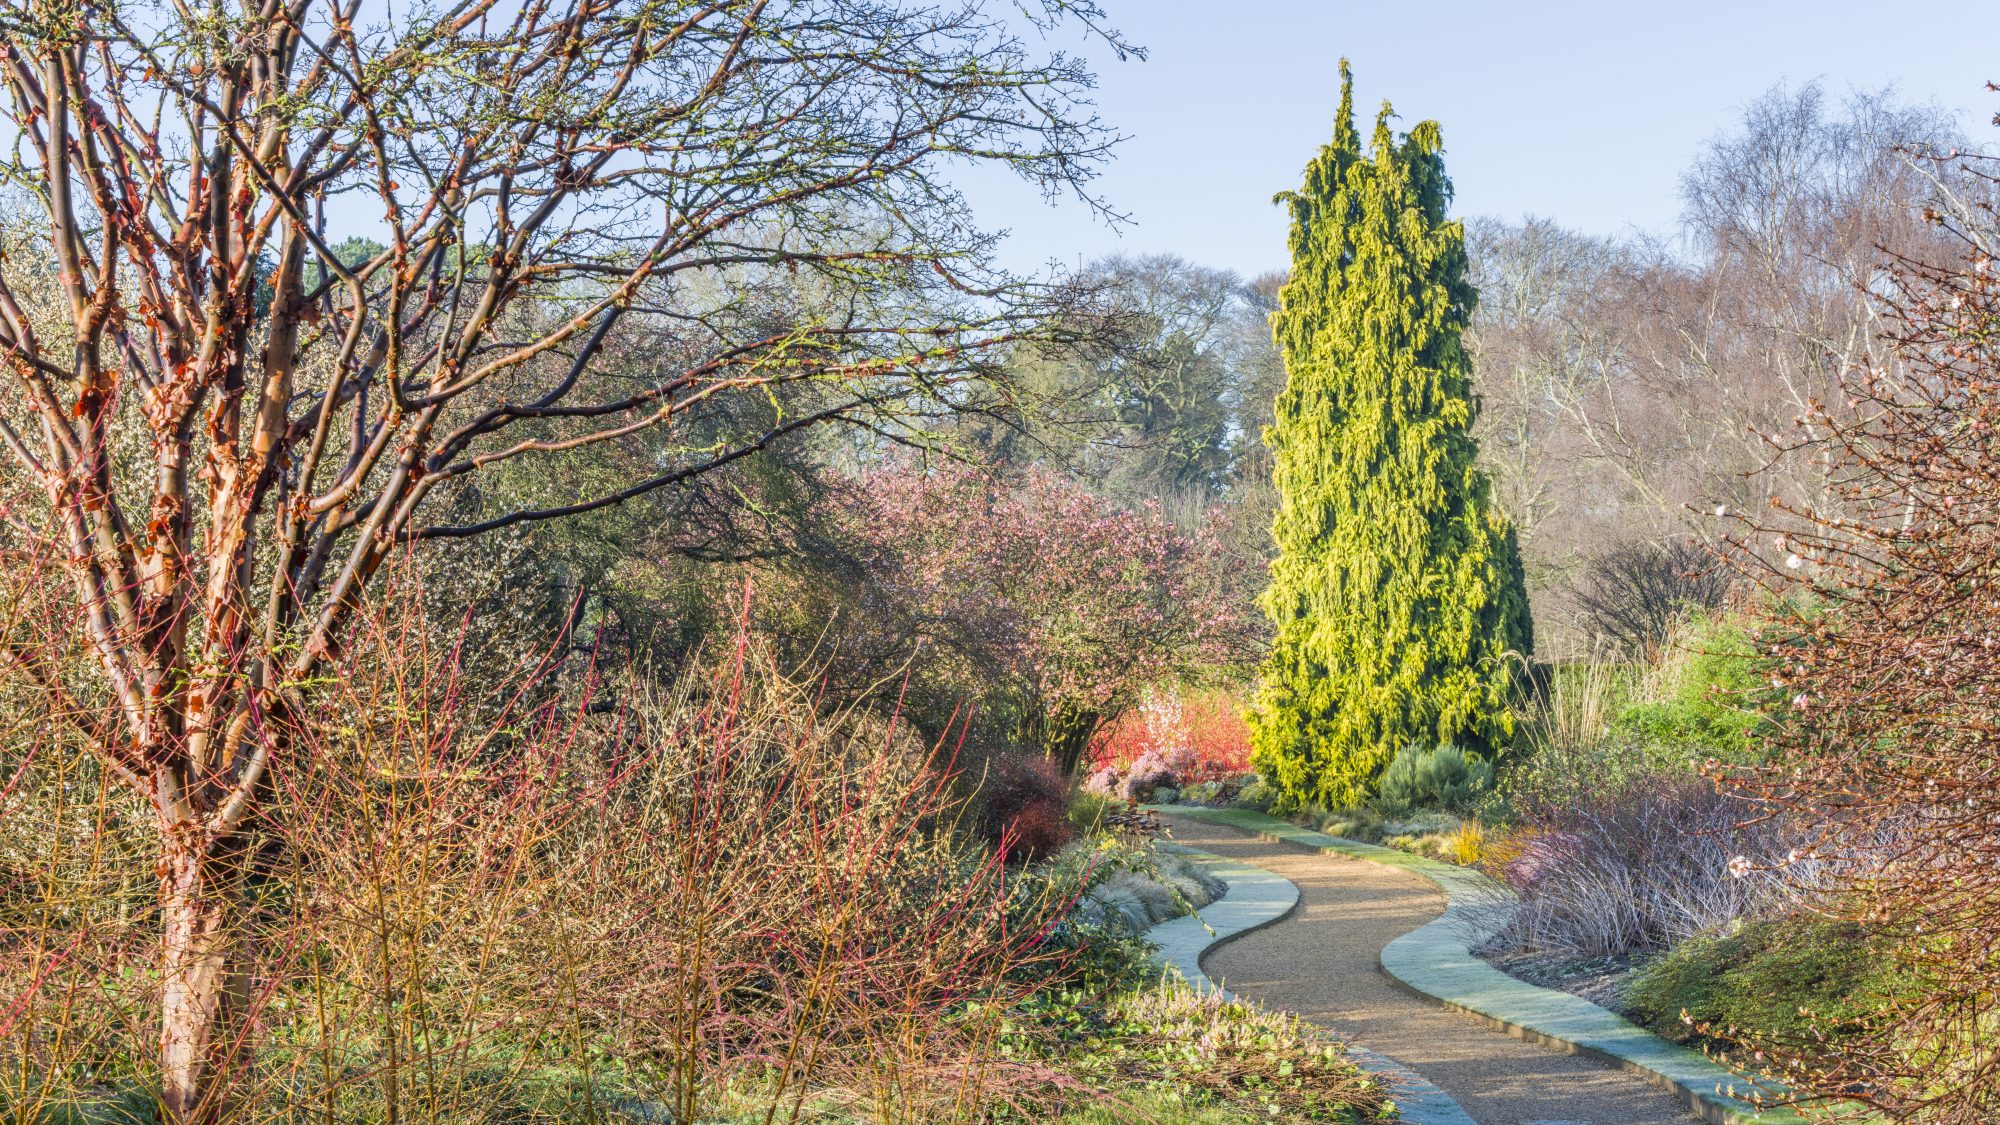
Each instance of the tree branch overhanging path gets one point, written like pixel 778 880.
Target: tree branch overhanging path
pixel 292 286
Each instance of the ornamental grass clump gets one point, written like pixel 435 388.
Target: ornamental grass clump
pixel 1645 861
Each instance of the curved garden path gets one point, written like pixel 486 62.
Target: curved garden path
pixel 1321 963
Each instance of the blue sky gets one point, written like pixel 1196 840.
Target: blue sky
pixel 1582 112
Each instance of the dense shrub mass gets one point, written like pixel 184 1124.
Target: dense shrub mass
pixel 1041 611
pixel 1207 724
pixel 1615 843
pixel 1434 777
pixel 1021 806
pixel 1793 983
pixel 721 898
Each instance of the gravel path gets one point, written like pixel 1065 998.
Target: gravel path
pixel 1321 964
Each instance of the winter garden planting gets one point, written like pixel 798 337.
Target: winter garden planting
pixel 551 572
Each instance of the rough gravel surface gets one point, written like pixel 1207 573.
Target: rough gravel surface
pixel 1321 964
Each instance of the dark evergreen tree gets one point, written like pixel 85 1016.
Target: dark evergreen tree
pixel 1397 595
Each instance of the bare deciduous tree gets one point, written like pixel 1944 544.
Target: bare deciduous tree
pixel 1631 384
pixel 579 210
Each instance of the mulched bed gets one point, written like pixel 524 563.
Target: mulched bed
pixel 1600 980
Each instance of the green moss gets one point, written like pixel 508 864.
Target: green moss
pixel 1397 596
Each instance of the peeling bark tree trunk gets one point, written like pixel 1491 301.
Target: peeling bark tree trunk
pixel 201 881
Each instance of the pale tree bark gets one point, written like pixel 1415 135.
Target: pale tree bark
pixel 286 279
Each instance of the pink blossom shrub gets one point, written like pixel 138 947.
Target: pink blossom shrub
pixel 1040 599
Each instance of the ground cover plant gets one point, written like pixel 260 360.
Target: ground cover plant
pixel 1791 984
pixel 1196 1050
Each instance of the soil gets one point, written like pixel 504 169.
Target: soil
pixel 1321 963
pixel 1600 980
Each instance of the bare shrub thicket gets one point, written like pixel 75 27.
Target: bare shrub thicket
pixel 614 248
pixel 1629 383
pixel 1891 679
pixel 1633 595
pixel 720 900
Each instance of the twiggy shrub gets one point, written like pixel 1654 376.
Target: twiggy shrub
pixel 1020 804
pixel 1890 682
pixel 716 902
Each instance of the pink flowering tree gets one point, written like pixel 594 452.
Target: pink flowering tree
pixel 1041 597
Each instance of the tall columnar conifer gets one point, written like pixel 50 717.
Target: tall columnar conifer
pixel 1397 593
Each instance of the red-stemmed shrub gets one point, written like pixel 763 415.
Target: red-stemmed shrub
pixel 1023 807
pixel 734 900
pixel 1197 735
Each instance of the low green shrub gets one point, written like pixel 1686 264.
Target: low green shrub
pixel 1707 698
pixel 1087 811
pixel 1260 795
pixel 1789 982
pixel 1354 824
pixel 1433 777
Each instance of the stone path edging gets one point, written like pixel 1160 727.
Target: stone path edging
pixel 1258 898
pixel 1435 961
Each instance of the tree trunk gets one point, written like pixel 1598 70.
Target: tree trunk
pixel 1066 735
pixel 200 898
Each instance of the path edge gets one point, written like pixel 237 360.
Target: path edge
pixel 1257 898
pixel 1435 961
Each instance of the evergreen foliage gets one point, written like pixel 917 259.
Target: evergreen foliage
pixel 1397 594
pixel 1433 777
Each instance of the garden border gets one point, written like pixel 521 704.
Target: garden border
pixel 1257 898
pixel 1435 961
